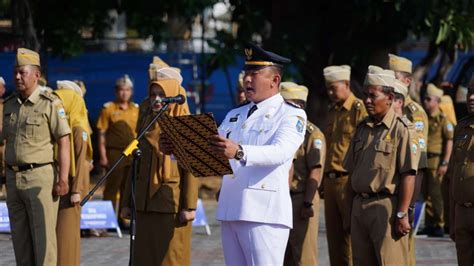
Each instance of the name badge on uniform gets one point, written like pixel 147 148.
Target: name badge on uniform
pixel 234 119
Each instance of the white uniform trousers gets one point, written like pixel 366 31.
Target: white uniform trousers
pixel 250 243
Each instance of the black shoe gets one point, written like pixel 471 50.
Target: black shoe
pixel 428 230
pixel 437 232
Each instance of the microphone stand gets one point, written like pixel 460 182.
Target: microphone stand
pixel 132 148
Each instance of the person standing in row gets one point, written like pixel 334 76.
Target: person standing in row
pixel 166 194
pixel 260 140
pixel 461 174
pixel 382 161
pixel 440 144
pixel 69 216
pixel 34 121
pixel 116 124
pixel 414 112
pixel 345 113
pixel 305 177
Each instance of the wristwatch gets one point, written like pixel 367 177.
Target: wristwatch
pixel 239 154
pixel 307 204
pixel 401 215
pixel 444 163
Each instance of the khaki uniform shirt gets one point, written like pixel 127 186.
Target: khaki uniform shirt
pixel 461 164
pixel 415 113
pixel 440 131
pixel 31 127
pixel 380 153
pixel 119 124
pixel 310 155
pixel 341 125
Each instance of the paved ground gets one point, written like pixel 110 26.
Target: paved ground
pixel 207 249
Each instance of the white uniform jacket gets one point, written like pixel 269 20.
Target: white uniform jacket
pixel 258 191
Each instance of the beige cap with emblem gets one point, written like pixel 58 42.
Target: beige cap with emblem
pixel 398 63
pixel 292 91
pixel 432 90
pixel 337 73
pixel 377 76
pixel 27 57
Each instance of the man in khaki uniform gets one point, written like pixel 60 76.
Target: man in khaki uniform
pixel 461 173
pixel 116 124
pixel 440 143
pixel 34 120
pixel 403 69
pixel 302 248
pixel 382 161
pixel 343 117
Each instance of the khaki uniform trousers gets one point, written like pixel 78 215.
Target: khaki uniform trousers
pixel 339 242
pixel 434 214
pixel 69 237
pixel 162 240
pixel 115 183
pixel 464 230
pixel 302 248
pixel 33 211
pixel 373 233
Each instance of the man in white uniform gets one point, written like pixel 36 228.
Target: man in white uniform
pixel 260 139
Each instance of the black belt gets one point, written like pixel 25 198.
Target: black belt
pixel 466 204
pixel 375 195
pixel 21 168
pixel 432 155
pixel 335 174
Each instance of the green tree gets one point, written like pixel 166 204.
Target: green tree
pixel 357 32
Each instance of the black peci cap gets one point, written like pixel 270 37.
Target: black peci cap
pixel 256 57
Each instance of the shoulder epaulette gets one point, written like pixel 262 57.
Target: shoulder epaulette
pixel 293 104
pixel 465 118
pixel 405 121
pixel 310 127
pixel 412 107
pixel 107 104
pixel 9 97
pixel 363 121
pixel 357 104
pixel 49 95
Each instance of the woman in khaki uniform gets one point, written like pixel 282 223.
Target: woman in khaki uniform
pixel 166 195
pixel 308 164
pixel 69 215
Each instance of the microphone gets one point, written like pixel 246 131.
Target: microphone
pixel 178 99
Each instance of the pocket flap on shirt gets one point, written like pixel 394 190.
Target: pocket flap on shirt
pixel 33 120
pixel 261 127
pixel 384 146
pixel 358 145
pixel 262 184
